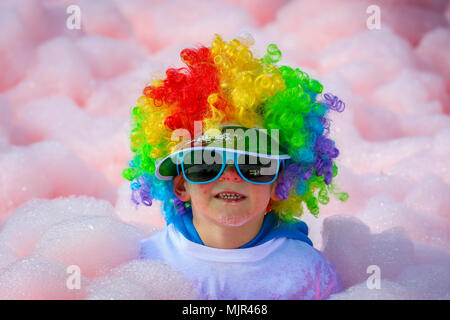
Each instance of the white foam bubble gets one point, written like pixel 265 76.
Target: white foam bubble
pixel 383 212
pixel 37 278
pixel 97 17
pixel 153 280
pixel 427 281
pixel 352 248
pixel 102 143
pixel 95 244
pixel 29 222
pixel 388 290
pixel 7 256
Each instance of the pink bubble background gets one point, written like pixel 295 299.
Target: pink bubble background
pixel 65 97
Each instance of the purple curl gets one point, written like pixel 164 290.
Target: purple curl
pixel 334 102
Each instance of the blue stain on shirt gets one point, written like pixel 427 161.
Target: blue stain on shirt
pixel 272 228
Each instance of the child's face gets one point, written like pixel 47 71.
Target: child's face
pixel 205 202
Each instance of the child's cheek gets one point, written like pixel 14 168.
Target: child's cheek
pixel 203 188
pixel 199 190
pixel 261 193
pixel 201 196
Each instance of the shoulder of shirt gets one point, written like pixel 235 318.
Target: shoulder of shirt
pixel 294 246
pixel 303 248
pixel 156 236
pixel 154 240
pixel 153 245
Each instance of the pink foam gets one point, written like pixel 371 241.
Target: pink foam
pixel 430 196
pixel 150 21
pixel 59 68
pixel 326 22
pixel 369 119
pixel 102 143
pixel 15 56
pixel 383 212
pixel 375 56
pixel 149 219
pixel 264 11
pixel 37 278
pixel 352 248
pixel 334 20
pixel 389 290
pixel 142 279
pixel 432 48
pixel 55 171
pixel 428 124
pixel 412 20
pixel 125 87
pixel 426 281
pixel 5 123
pixel 29 222
pixel 421 93
pixel 383 156
pixel 7 256
pixel 97 17
pixel 94 244
pixel 65 100
pixel 107 57
pixel 439 165
pixel 28 13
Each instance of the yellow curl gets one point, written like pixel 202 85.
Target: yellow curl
pixel 245 81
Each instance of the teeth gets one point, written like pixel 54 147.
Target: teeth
pixel 229 196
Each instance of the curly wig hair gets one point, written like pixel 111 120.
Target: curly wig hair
pixel 227 83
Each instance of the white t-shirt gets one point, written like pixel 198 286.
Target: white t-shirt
pixel 280 268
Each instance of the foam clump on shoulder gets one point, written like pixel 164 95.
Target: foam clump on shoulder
pixel 388 290
pixel 37 278
pixel 142 279
pixel 30 221
pixel 385 265
pixel 352 248
pixel 95 244
pixel 44 238
pixel 7 257
pixel 428 280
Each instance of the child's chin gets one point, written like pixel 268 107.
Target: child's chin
pixel 233 220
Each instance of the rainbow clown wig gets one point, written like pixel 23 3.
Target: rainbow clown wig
pixel 225 83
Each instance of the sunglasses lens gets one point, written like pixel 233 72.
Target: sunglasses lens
pixel 199 166
pixel 258 169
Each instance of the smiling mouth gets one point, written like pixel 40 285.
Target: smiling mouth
pixel 230 196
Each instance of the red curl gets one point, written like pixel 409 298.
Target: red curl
pixel 187 89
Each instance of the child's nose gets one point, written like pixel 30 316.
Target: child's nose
pixel 230 174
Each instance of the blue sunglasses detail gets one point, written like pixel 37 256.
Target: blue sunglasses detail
pixel 207 165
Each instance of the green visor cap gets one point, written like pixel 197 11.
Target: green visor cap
pixel 253 141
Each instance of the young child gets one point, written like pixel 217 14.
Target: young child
pixel 253 154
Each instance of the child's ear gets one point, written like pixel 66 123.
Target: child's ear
pixel 179 188
pixel 273 195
